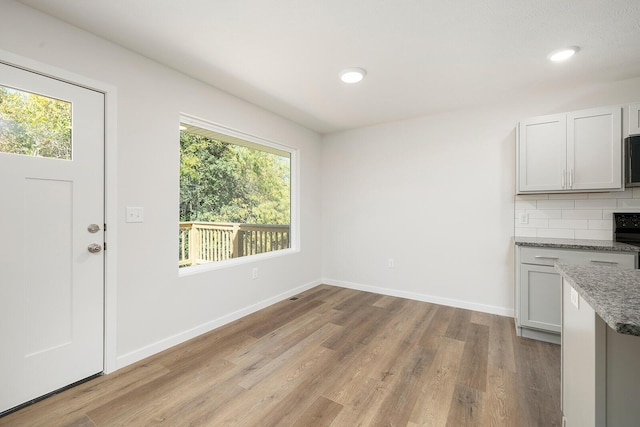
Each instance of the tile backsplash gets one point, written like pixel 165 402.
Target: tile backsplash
pixel 573 216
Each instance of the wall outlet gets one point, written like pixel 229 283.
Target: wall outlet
pixel 575 298
pixel 523 218
pixel 391 263
pixel 254 273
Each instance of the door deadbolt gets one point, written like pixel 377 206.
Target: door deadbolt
pixel 94 248
pixel 93 228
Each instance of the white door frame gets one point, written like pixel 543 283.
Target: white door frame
pixel 110 190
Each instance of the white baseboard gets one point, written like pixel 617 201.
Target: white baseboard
pixel 151 349
pixel 502 311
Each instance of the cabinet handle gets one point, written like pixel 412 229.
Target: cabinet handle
pixel 571 178
pixel 597 261
pixel 547 257
pixel 563 176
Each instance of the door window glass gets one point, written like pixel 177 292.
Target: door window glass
pixel 34 125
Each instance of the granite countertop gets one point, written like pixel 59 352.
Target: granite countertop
pixel 612 292
pixel 594 245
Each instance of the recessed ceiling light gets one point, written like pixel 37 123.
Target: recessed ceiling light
pixel 183 127
pixel 352 75
pixel 563 54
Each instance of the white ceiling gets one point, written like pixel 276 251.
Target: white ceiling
pixel 422 56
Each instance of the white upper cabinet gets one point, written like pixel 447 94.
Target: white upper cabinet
pixel 634 119
pixel 577 151
pixel 542 153
pixel 594 149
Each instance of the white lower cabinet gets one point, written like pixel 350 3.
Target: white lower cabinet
pixel 540 297
pixel 538 306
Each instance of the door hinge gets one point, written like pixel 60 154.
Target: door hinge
pixel 105 227
pixel 104 246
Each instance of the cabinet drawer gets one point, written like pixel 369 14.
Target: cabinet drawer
pixel 548 256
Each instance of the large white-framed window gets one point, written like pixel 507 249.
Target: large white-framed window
pixel 238 197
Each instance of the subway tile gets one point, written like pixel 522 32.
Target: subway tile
pixel 568 196
pixel 559 233
pixel 525 232
pixel 629 203
pixel 594 234
pixel 544 213
pixel 582 214
pixel 597 204
pixel 626 194
pixel 601 224
pixel 535 223
pixel 526 204
pixel 520 197
pixel 568 223
pixel 556 204
pixel 636 192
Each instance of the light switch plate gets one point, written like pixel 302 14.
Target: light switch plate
pixel 135 214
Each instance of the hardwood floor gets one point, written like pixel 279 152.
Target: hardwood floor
pixel 332 357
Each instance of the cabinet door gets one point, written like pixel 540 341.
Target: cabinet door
pixel 634 119
pixel 542 154
pixel 540 295
pixel 594 149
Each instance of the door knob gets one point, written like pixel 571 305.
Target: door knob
pixel 93 228
pixel 94 248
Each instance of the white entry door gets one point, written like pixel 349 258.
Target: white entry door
pixel 51 192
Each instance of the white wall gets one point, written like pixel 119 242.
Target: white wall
pixel 155 307
pixel 436 194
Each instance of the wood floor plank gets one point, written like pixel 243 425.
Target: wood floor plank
pixel 473 367
pixel 321 413
pixel 356 328
pixel 501 348
pixel 357 301
pixel 323 375
pixel 391 361
pixel 480 318
pixel 305 348
pixel 287 313
pixel 437 327
pixel 434 398
pixel 538 398
pixel 398 404
pixel 285 337
pixel 459 324
pixel 500 408
pixel 405 331
pixel 370 358
pixel 466 407
pixel 361 406
pixel 176 385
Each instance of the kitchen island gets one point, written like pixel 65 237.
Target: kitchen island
pixel 600 345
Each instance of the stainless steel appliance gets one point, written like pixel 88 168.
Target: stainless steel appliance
pixel 626 227
pixel 632 161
